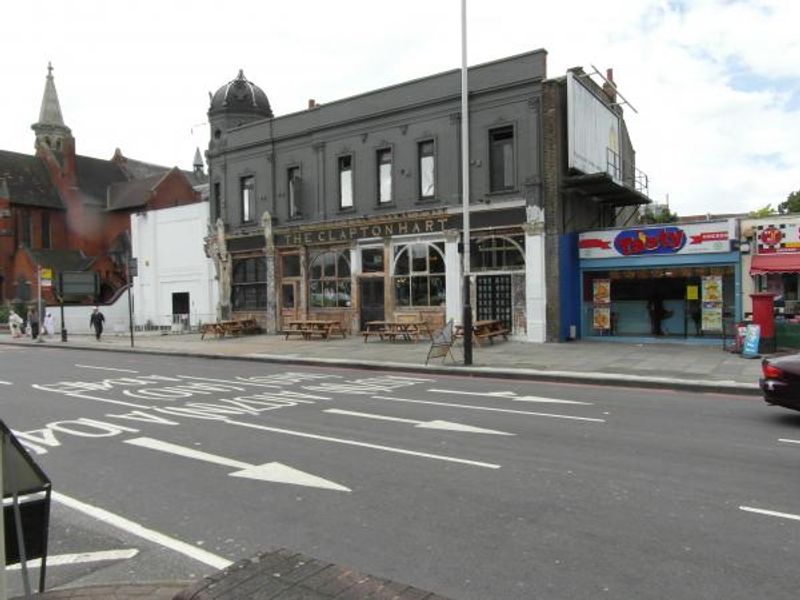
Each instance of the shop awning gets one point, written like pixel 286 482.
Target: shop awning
pixel 775 263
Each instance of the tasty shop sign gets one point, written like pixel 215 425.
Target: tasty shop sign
pixel 657 240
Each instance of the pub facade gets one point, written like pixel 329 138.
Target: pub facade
pixel 352 210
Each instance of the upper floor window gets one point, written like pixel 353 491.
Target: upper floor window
pixel 248 185
pixel 26 225
pixel 501 159
pixel 46 242
pixel 384 176
pixel 217 202
pixel 329 279
pixel 427 169
pixel 293 191
pixel 249 289
pixel 345 167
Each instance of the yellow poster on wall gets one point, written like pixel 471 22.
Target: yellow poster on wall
pixel 692 292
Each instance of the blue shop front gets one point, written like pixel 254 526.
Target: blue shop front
pixel 677 281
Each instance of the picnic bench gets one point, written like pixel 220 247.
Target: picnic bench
pixel 232 327
pixel 310 328
pixel 394 330
pixel 485 330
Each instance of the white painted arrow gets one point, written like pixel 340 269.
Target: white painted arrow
pixel 273 471
pixel 438 424
pixel 511 396
pixel 78 558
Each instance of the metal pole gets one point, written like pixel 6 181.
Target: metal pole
pixel 23 556
pixel 130 306
pixel 3 594
pixel 39 304
pixel 467 312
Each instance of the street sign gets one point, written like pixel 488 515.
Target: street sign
pixel 46 277
pixel 78 283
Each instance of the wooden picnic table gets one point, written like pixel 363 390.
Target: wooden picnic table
pixel 309 328
pixel 229 327
pixel 487 329
pixel 392 330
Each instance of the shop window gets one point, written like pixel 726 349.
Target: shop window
pixel 345 167
pixel 501 159
pixel 293 191
pixel 329 280
pixel 248 190
pixel 249 289
pixel 384 176
pixel 498 253
pixel 290 265
pixel 427 169
pixel 418 276
pixel 372 260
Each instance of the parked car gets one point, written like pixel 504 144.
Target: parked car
pixel 781 380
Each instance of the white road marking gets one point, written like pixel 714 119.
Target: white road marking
pixel 789 441
pixel 273 471
pixel 5 382
pixel 512 396
pixel 198 554
pixel 491 409
pixel 87 397
pixel 437 424
pixel 55 560
pixel 106 368
pixel 364 445
pixel 771 513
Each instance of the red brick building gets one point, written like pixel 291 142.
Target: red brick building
pixel 68 212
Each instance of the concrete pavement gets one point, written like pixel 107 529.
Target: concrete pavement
pixel 660 365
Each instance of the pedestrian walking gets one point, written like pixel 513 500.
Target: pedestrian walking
pixel 33 323
pixel 15 324
pixel 49 325
pixel 96 320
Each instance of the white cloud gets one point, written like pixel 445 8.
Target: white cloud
pixel 139 78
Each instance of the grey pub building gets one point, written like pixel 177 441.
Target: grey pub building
pixel 352 209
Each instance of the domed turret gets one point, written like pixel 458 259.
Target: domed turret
pixel 237 102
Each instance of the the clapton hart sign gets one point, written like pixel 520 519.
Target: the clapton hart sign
pixel 693 238
pixel 347 231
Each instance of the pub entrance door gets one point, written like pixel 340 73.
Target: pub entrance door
pixel 371 295
pixel 289 301
pixel 494 298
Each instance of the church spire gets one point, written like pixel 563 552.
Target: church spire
pixel 50 129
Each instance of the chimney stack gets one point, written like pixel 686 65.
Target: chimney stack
pixel 312 104
pixel 608 86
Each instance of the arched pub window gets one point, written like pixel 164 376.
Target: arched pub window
pixel 498 253
pixel 418 275
pixel 329 279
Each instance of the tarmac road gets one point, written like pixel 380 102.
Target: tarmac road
pixel 471 488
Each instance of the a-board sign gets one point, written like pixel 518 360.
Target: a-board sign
pixel 28 488
pixel 751 339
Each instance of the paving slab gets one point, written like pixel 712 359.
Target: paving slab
pixel 700 367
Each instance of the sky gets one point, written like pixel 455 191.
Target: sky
pixel 715 83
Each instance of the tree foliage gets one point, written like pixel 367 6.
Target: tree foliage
pixel 658 213
pixel 791 204
pixel 764 211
